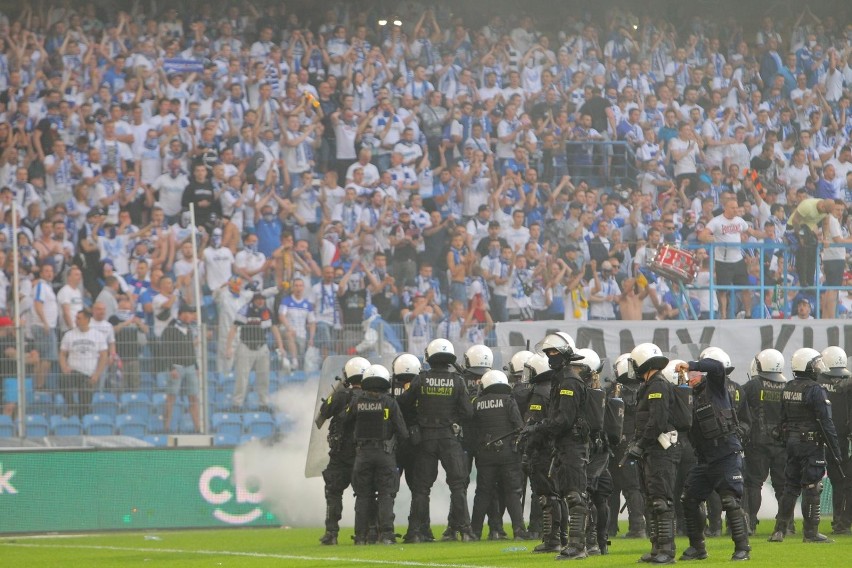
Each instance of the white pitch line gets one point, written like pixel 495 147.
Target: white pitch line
pixel 248 555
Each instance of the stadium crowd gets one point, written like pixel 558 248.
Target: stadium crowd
pixel 364 162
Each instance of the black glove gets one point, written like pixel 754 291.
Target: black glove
pixel 634 451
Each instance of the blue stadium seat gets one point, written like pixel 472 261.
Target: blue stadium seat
pixel 137 403
pixel 225 440
pixel 228 383
pixel 62 426
pixel 227 423
pixel 7 427
pixel 10 389
pixel 186 426
pixel 159 440
pixel 58 405
pixel 105 403
pixel 260 424
pixel 246 438
pixel 158 402
pixel 37 426
pixel 252 402
pixel 132 425
pixel 98 425
pixel 155 423
pixel 42 403
pixel 223 402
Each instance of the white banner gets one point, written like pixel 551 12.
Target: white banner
pixel 741 339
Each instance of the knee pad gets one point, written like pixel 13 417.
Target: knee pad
pixel 729 501
pixel 813 489
pixel 660 506
pixel 688 502
pixel 575 499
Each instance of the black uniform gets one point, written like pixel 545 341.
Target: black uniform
pixel 804 405
pixel 838 388
pixel 625 479
pixel 714 436
pixel 440 397
pixel 341 453
pixel 658 465
pixel 375 419
pixel 765 455
pixel 522 392
pixel 599 487
pixel 498 465
pixel 538 457
pixel 406 452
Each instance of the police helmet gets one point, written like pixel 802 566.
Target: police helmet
pixel 589 364
pixel 717 354
pixel 670 373
pixel 647 356
pixel 495 381
pixel 558 348
pixel 622 368
pixel 537 369
pixel 478 359
pixel 440 351
pixel 516 363
pixel 835 359
pixel 353 370
pixel 807 363
pixel 769 365
pixel 405 366
pixel 376 378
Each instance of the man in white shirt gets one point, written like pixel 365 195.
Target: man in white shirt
pixel 165 305
pixel 82 360
pixel 70 299
pixel 250 263
pixel 218 262
pixel 170 187
pixel 517 235
pixel 296 315
pixel 100 323
pixel 728 228
pixel 370 172
pixel 44 318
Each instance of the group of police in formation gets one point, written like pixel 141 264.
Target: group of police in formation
pixel 680 440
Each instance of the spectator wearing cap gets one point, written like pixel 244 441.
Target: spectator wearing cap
pixel 803 310
pixel 82 360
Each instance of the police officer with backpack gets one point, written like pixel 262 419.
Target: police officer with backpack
pixel 655 445
pixel 341 446
pixel 376 420
pixel 807 428
pixel 498 465
pixel 719 466
pixel 836 382
pixel 442 403
pixel 567 427
pixel 765 456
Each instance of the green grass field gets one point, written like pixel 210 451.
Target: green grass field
pixel 299 548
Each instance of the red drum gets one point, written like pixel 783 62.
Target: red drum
pixel 675 264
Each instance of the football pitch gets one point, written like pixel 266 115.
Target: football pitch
pixel 299 548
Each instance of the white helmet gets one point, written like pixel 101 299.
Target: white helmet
pixel 495 377
pixel 807 363
pixel 752 369
pixel 406 364
pixel 478 359
pixel 622 367
pixel 440 351
pixel 376 377
pixel 517 362
pixel 719 355
pixel 647 356
pixel 537 369
pixel 354 369
pixel 590 362
pixel 835 359
pixel 562 343
pixel 769 365
pixel 669 372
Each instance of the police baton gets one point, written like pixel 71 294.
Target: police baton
pixel 832 450
pixel 503 437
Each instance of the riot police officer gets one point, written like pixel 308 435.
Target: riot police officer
pixel 441 400
pixel 807 428
pixel 655 444
pixel 538 457
pixel 521 391
pixel 687 453
pixel 764 454
pixel 599 481
pixel 625 478
pixel 498 465
pixel 405 367
pixel 567 427
pixel 836 382
pixel 376 421
pixel 714 436
pixel 341 446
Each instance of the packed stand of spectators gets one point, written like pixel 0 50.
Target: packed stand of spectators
pixel 398 174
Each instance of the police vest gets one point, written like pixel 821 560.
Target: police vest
pixel 372 421
pixel 800 416
pixel 838 394
pixel 643 407
pixel 629 394
pixel 765 404
pixel 712 421
pixel 568 394
pixel 614 420
pixel 539 403
pixel 436 403
pixel 522 393
pixel 491 413
pixel 339 440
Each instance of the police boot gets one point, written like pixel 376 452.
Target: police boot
pixel 534 526
pixel 519 533
pixel 329 538
pixel 576 549
pixel 753 500
pixel 333 511
pixel 779 531
pixel 665 538
pixel 372 535
pixel 449 535
pixel 387 538
pixel 563 526
pixel 791 527
pixel 652 536
pixel 693 519
pixel 551 517
pixel 359 540
pixel 738 524
pixel 467 535
pixel 811 514
pixel 592 547
pixel 635 514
